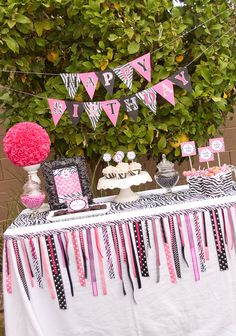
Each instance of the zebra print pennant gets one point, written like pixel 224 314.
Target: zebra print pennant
pixel 71 82
pixel 125 73
pixel 149 98
pixel 94 111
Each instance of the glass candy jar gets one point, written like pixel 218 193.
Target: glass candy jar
pixel 32 197
pixel 166 175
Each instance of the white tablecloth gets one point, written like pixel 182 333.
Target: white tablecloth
pixel 188 307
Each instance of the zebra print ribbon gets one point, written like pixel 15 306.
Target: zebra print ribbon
pixel 199 242
pixel 108 253
pixel 20 267
pixel 220 248
pixel 138 234
pixel 168 253
pixel 91 263
pixel 174 246
pixel 56 271
pixel 35 263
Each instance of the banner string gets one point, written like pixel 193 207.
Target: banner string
pixel 203 52
pixel 159 48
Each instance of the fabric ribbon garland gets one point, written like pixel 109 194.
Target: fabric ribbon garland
pixel 192 247
pixel 174 246
pixel 133 257
pixel 158 262
pixel 27 263
pixel 78 258
pixel 35 263
pixel 108 252
pixel 100 262
pixel 138 234
pixel 91 263
pixel 199 242
pixel 180 229
pixel 7 268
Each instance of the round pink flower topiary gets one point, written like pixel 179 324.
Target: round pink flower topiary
pixel 26 144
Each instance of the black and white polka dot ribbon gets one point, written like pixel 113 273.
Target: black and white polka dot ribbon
pixel 220 248
pixel 56 271
pixel 174 246
pixel 138 234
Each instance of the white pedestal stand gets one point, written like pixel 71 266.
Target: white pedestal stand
pixel 126 194
pixel 32 171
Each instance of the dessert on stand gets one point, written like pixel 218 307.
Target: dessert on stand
pixel 123 176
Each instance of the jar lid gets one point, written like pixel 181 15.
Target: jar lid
pixel 165 165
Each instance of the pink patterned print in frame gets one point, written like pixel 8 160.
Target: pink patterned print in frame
pixel 67 183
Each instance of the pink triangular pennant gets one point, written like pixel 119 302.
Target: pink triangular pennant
pixel 89 80
pixel 143 66
pixel 166 90
pixel 57 108
pixel 112 108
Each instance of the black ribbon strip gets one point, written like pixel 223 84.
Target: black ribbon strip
pixel 181 239
pixel 40 257
pixel 135 260
pixel 138 234
pixel 56 271
pixel 66 263
pixel 174 246
pixel 220 248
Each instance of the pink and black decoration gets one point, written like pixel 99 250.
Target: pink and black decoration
pixel 130 104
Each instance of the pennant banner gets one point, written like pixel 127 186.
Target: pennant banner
pixel 94 111
pixel 57 108
pixel 125 73
pixel 71 82
pixel 166 90
pixel 143 66
pixel 149 98
pixel 112 108
pixel 182 79
pixel 89 80
pixel 107 78
pixel 130 105
pixel 75 110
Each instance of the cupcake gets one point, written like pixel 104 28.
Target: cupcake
pixel 135 168
pixel 109 172
pixel 122 170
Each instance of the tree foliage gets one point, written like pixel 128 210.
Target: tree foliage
pixel 56 36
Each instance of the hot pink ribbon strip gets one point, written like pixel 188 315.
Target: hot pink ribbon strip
pixel 100 262
pixel 46 270
pixel 192 247
pixel 78 259
pixel 7 268
pixel 27 262
pixel 130 250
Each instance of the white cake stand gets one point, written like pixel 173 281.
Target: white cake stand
pixel 126 194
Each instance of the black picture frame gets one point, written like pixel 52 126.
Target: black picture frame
pixel 48 169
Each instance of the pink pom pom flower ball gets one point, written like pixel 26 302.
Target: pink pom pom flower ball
pixel 26 144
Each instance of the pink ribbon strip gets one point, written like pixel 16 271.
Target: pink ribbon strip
pixel 158 261
pixel 232 231
pixel 217 232
pixel 100 262
pixel 7 269
pixel 168 255
pixel 27 262
pixel 130 250
pixel 78 258
pixel 46 270
pixel 91 262
pixel 180 229
pixel 192 247
pixel 122 242
pixel 117 251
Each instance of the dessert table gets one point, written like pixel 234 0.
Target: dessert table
pixel 161 265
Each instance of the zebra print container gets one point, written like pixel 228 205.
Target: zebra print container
pixel 218 185
pixel 195 185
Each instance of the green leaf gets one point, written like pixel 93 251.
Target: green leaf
pixel 129 32
pixel 133 47
pixel 112 37
pixel 12 44
pixel 78 139
pixel 205 72
pixel 20 18
pixel 161 143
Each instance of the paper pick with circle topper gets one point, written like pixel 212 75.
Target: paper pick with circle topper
pixel 205 155
pixel 217 146
pixel 107 158
pixel 131 156
pixel 119 156
pixel 188 148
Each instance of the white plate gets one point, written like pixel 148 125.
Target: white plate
pixel 76 215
